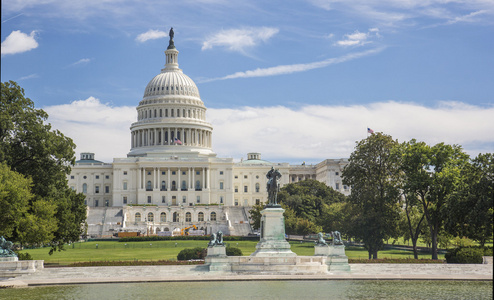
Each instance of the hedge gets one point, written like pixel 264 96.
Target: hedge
pixel 470 255
pixel 184 237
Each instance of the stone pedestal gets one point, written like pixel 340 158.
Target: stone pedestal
pixel 337 259
pixel 273 242
pixel 216 259
pixel 321 250
pixel 12 267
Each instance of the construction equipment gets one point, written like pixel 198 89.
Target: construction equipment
pixel 185 231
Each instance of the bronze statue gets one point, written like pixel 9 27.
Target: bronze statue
pixel 336 238
pixel 171 44
pixel 273 186
pixel 6 248
pixel 320 240
pixel 171 34
pixel 216 239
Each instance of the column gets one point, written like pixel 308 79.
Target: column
pixel 155 178
pixel 203 178
pixel 138 178
pixel 190 179
pixel 193 178
pixel 169 135
pixel 162 136
pixel 179 183
pixel 169 179
pixel 207 177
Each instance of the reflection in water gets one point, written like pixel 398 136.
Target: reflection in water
pixel 323 289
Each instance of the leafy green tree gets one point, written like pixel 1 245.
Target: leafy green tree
pixel 30 147
pixel 373 172
pixel 470 209
pixel 255 216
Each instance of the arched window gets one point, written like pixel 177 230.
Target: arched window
pixel 213 216
pixel 163 185
pixel 178 113
pixel 200 217
pixel 138 217
pixel 176 217
pixel 257 187
pixel 184 185
pixel 155 113
pixel 84 188
pixel 149 186
pixel 161 112
pixel 163 217
pixel 150 217
pixel 174 186
pixel 188 217
pixel 198 185
pixel 166 112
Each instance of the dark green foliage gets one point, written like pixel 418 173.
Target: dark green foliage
pixel 469 255
pixel 192 253
pixel 24 256
pixel 184 237
pixel 233 251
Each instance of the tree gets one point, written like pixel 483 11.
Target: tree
pixel 372 172
pixel 255 216
pixel 470 209
pixel 29 147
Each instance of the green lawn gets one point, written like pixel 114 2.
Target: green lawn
pixel 168 250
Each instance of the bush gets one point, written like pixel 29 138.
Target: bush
pixel 24 256
pixel 465 255
pixel 233 251
pixel 192 253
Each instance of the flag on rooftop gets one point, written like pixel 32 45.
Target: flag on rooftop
pixel 178 142
pixel 369 130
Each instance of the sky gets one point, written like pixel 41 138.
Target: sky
pixel 294 80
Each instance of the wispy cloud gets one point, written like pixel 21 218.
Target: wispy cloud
pixel 358 38
pixel 19 42
pixel 18 15
pixel 289 69
pixel 322 131
pixel 30 76
pixel 151 35
pixel 81 61
pixel 239 40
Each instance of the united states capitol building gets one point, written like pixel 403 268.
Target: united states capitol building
pixel 171 179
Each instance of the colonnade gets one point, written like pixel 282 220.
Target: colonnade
pixel 191 177
pixel 166 136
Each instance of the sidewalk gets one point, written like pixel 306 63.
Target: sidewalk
pixel 90 275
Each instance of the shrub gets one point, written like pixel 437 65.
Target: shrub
pixel 488 251
pixel 233 251
pixel 24 256
pixel 192 253
pixel 464 256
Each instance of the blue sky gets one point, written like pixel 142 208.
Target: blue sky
pixel 294 80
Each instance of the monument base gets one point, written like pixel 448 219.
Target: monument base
pixel 14 268
pixel 337 259
pixel 272 242
pixel 217 260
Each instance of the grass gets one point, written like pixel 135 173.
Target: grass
pixel 168 250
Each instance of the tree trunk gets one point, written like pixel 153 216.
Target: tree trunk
pixel 434 241
pixel 415 250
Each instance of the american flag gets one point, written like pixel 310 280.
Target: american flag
pixel 178 142
pixel 369 130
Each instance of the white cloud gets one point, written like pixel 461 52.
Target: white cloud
pixel 288 69
pixel 81 62
pixel 239 39
pixel 151 35
pixel 358 38
pixel 30 76
pixel 311 133
pixel 18 42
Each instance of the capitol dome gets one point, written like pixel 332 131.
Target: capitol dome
pixel 171 117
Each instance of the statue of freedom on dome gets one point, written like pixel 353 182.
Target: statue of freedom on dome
pixel 171 44
pixel 273 186
pixel 171 34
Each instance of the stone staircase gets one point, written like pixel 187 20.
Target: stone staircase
pixel 104 221
pixel 238 221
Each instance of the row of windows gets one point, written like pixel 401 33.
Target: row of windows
pixel 174 199
pixel 95 177
pixel 96 189
pixel 245 176
pixel 175 217
pixel 186 113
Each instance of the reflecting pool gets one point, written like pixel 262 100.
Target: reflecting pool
pixel 303 289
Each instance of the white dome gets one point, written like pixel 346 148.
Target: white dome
pixel 170 82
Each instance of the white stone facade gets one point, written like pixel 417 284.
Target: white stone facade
pixel 172 171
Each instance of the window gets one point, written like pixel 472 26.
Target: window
pixel 72 177
pixel 163 217
pixel 236 202
pixel 125 200
pixel 200 217
pixel 258 201
pixel 236 189
pixel 163 199
pixel 176 217
pixel 257 176
pixel 184 199
pixel 150 217
pixel 188 217
pixel 173 172
pixel 221 199
pixel 213 216
pixel 336 173
pixel 149 199
pixel 163 173
pixel 125 173
pixel 337 186
pixel 198 185
pixel 257 187
pixel 138 217
pixel 96 202
pixel 245 176
pixel 84 188
pixel 345 187
pixel 163 185
pixel 183 173
pixel 97 176
pixel 221 185
pixel 125 185
pixel 184 185
pixel 107 189
pixel 107 203
pixel 84 176
pixel 149 186
pixel 236 176
pixel 198 199
pixel 174 186
pixel 107 177
pixel 221 172
pixel 96 189
pixel 198 172
pixel 246 189
pixel 72 188
pixel 149 172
